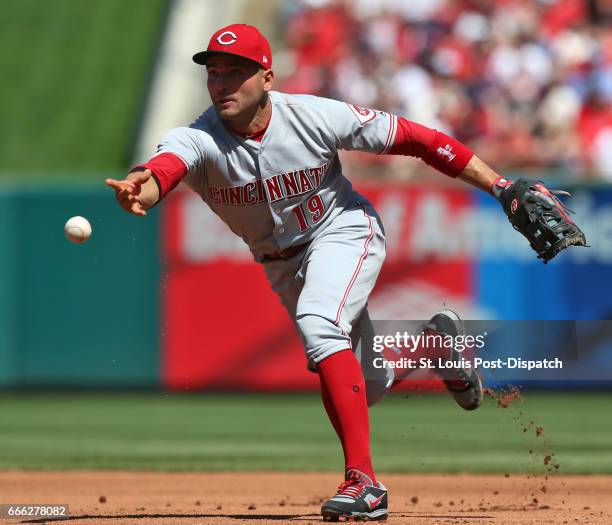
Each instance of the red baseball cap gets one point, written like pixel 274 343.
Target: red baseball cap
pixel 241 40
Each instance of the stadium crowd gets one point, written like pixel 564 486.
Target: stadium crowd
pixel 527 84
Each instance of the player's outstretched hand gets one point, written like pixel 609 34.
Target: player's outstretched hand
pixel 127 191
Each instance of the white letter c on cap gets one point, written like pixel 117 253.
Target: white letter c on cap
pixel 231 40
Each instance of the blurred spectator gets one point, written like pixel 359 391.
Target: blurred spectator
pixel 526 83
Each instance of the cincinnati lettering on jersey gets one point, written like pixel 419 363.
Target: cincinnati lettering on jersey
pixel 272 189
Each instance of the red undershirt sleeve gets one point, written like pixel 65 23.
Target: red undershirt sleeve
pixel 167 169
pixel 435 148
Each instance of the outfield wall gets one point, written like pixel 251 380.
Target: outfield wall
pixel 178 302
pixel 77 315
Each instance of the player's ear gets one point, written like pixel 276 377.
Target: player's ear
pixel 268 79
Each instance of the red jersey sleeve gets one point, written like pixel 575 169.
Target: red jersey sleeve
pixel 167 169
pixel 435 148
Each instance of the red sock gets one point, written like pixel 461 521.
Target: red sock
pixel 344 398
pixel 331 411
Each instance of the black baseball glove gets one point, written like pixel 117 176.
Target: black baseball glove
pixel 539 215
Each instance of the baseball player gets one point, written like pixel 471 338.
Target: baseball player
pixel 267 164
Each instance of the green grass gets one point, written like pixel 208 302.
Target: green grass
pixel 74 76
pixel 266 432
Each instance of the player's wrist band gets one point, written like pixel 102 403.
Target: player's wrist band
pixel 499 185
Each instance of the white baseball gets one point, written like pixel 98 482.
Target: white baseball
pixel 77 229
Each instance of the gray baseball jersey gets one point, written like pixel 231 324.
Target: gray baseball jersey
pixel 289 190
pixel 279 192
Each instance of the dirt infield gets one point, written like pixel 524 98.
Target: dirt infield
pixel 194 498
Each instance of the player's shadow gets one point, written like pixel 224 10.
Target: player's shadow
pixel 270 517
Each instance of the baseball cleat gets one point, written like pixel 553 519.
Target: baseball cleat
pixel 357 500
pixel 464 384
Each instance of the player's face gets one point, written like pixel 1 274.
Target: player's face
pixel 236 85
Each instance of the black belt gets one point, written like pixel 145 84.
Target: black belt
pixel 287 253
